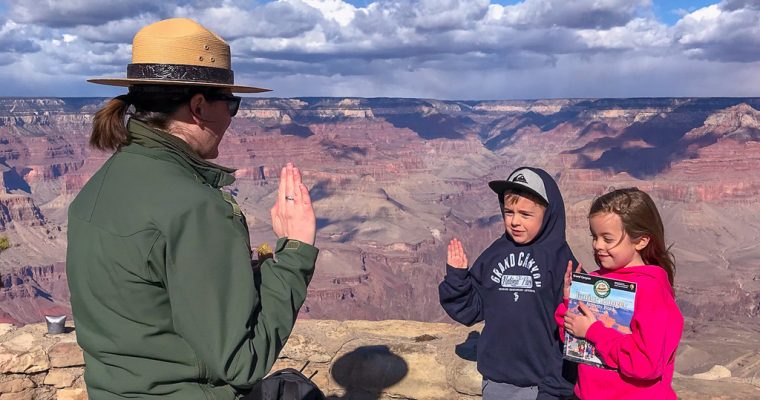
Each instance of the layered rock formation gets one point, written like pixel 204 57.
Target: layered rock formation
pixel 394 179
pixel 29 293
pixel 377 360
pixel 21 209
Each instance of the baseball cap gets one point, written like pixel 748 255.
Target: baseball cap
pixel 522 179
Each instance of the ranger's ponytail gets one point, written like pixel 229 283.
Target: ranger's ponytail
pixel 109 131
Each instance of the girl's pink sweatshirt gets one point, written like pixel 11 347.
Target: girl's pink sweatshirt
pixel 643 360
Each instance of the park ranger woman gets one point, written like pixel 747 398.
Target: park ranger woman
pixel 165 299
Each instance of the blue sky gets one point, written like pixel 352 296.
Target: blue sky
pixel 670 11
pixel 445 49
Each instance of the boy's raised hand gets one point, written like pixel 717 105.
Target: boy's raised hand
pixel 456 257
pixel 569 278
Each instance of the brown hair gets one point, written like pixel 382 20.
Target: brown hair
pixel 640 218
pixel 512 196
pixel 153 105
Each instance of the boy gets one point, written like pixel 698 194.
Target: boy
pixel 515 286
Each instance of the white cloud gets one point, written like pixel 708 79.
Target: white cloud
pixel 448 15
pixel 421 48
pixel 727 32
pixel 68 13
pixel 604 75
pixel 282 19
pixel 581 14
pixel 638 34
pixel 731 5
pixel 334 10
pixel 117 31
pixel 15 40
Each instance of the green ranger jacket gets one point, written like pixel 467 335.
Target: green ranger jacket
pixel 165 299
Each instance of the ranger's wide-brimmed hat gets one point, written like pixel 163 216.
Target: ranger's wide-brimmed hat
pixel 179 51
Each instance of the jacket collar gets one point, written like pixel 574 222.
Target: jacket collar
pixel 210 173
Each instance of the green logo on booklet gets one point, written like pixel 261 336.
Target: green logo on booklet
pixel 602 289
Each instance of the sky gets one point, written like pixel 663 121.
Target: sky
pixel 440 49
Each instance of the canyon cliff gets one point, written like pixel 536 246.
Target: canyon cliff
pixel 394 179
pixel 388 360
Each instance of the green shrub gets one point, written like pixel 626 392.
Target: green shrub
pixel 4 243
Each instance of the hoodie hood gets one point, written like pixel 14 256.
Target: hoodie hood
pixel 552 231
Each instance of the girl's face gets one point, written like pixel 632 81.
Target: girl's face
pixel 613 248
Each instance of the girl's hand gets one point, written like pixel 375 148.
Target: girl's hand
pixel 569 278
pixel 456 257
pixel 292 214
pixel 577 324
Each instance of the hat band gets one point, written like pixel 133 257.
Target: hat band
pixel 180 72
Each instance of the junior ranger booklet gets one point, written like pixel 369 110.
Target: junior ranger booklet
pixel 610 300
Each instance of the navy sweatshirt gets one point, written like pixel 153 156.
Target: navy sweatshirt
pixel 515 289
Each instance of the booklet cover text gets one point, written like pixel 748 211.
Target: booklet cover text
pixel 610 300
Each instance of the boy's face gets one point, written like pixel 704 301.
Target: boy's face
pixel 523 219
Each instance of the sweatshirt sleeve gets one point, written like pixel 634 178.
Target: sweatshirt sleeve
pixel 560 301
pixel 643 353
pixel 559 377
pixel 459 295
pixel 236 324
pixel 561 311
pixel 559 318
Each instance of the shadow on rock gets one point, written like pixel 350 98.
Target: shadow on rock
pixel 366 371
pixel 468 350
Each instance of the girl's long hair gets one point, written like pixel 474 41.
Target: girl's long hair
pixel 640 218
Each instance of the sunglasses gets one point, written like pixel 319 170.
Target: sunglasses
pixel 233 102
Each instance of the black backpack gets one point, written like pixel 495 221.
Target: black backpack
pixel 286 384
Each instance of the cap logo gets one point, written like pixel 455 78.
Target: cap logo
pixel 520 178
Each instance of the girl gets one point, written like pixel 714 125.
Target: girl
pixel 628 242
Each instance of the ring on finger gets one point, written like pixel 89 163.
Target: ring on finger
pixel 291 198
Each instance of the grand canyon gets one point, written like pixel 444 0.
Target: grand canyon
pixel 394 179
